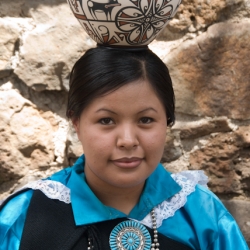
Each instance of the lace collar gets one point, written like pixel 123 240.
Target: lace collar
pixel 166 192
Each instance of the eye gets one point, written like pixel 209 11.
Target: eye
pixel 146 120
pixel 106 121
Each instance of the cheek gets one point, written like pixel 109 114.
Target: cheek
pixel 95 143
pixel 155 141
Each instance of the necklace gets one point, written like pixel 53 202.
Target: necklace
pixel 155 245
pixel 132 235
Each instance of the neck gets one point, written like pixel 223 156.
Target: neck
pixel 122 199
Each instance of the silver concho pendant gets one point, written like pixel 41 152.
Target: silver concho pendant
pixel 130 235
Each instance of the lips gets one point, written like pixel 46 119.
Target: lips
pixel 125 162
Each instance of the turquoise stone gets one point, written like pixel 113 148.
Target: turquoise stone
pixel 130 235
pixel 130 241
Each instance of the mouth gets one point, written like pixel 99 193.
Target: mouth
pixel 126 162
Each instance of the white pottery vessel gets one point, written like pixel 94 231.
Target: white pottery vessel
pixel 124 22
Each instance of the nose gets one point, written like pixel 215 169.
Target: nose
pixel 127 137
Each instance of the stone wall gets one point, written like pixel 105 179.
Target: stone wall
pixel 207 50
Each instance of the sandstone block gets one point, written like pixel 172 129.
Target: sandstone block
pixel 211 73
pixel 172 149
pixel 181 164
pixel 196 15
pixel 22 8
pixel 202 127
pixel 226 160
pixel 32 133
pixel 9 36
pixel 51 48
pixel 74 147
pixel 11 102
pixel 26 138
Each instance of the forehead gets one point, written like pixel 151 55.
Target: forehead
pixel 136 94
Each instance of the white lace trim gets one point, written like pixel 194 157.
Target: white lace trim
pixel 187 180
pixel 52 189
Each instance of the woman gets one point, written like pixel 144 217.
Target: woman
pixel 118 196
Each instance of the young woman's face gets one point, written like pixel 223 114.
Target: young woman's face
pixel 123 136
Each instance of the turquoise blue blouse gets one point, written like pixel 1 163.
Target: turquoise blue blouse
pixel 202 223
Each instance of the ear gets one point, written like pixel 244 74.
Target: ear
pixel 76 124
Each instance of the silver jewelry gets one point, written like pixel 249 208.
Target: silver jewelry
pixel 90 246
pixel 155 245
pixel 132 235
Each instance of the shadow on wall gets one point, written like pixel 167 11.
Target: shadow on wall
pixel 216 70
pixel 22 8
pixel 46 100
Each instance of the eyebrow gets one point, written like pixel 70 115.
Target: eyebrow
pixel 147 109
pixel 107 110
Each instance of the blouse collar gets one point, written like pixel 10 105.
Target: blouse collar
pixel 87 208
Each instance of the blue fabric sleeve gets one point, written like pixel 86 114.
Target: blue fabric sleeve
pixel 204 223
pixel 229 235
pixel 12 219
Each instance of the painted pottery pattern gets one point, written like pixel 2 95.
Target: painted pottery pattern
pixel 124 22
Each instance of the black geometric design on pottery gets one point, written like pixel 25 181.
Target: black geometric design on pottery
pixel 102 7
pixel 141 23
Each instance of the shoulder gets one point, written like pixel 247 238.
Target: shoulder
pixel 194 187
pixel 206 202
pixel 13 210
pixel 214 225
pixel 196 198
pixel 197 217
pixel 12 217
pixel 191 198
pixel 193 203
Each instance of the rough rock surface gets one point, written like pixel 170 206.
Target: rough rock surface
pixel 9 37
pixel 195 16
pixel 226 158
pixel 46 56
pixel 26 137
pixel 206 48
pixel 211 73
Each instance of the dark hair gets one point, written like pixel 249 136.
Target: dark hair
pixel 102 70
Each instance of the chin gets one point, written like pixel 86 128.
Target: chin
pixel 128 183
